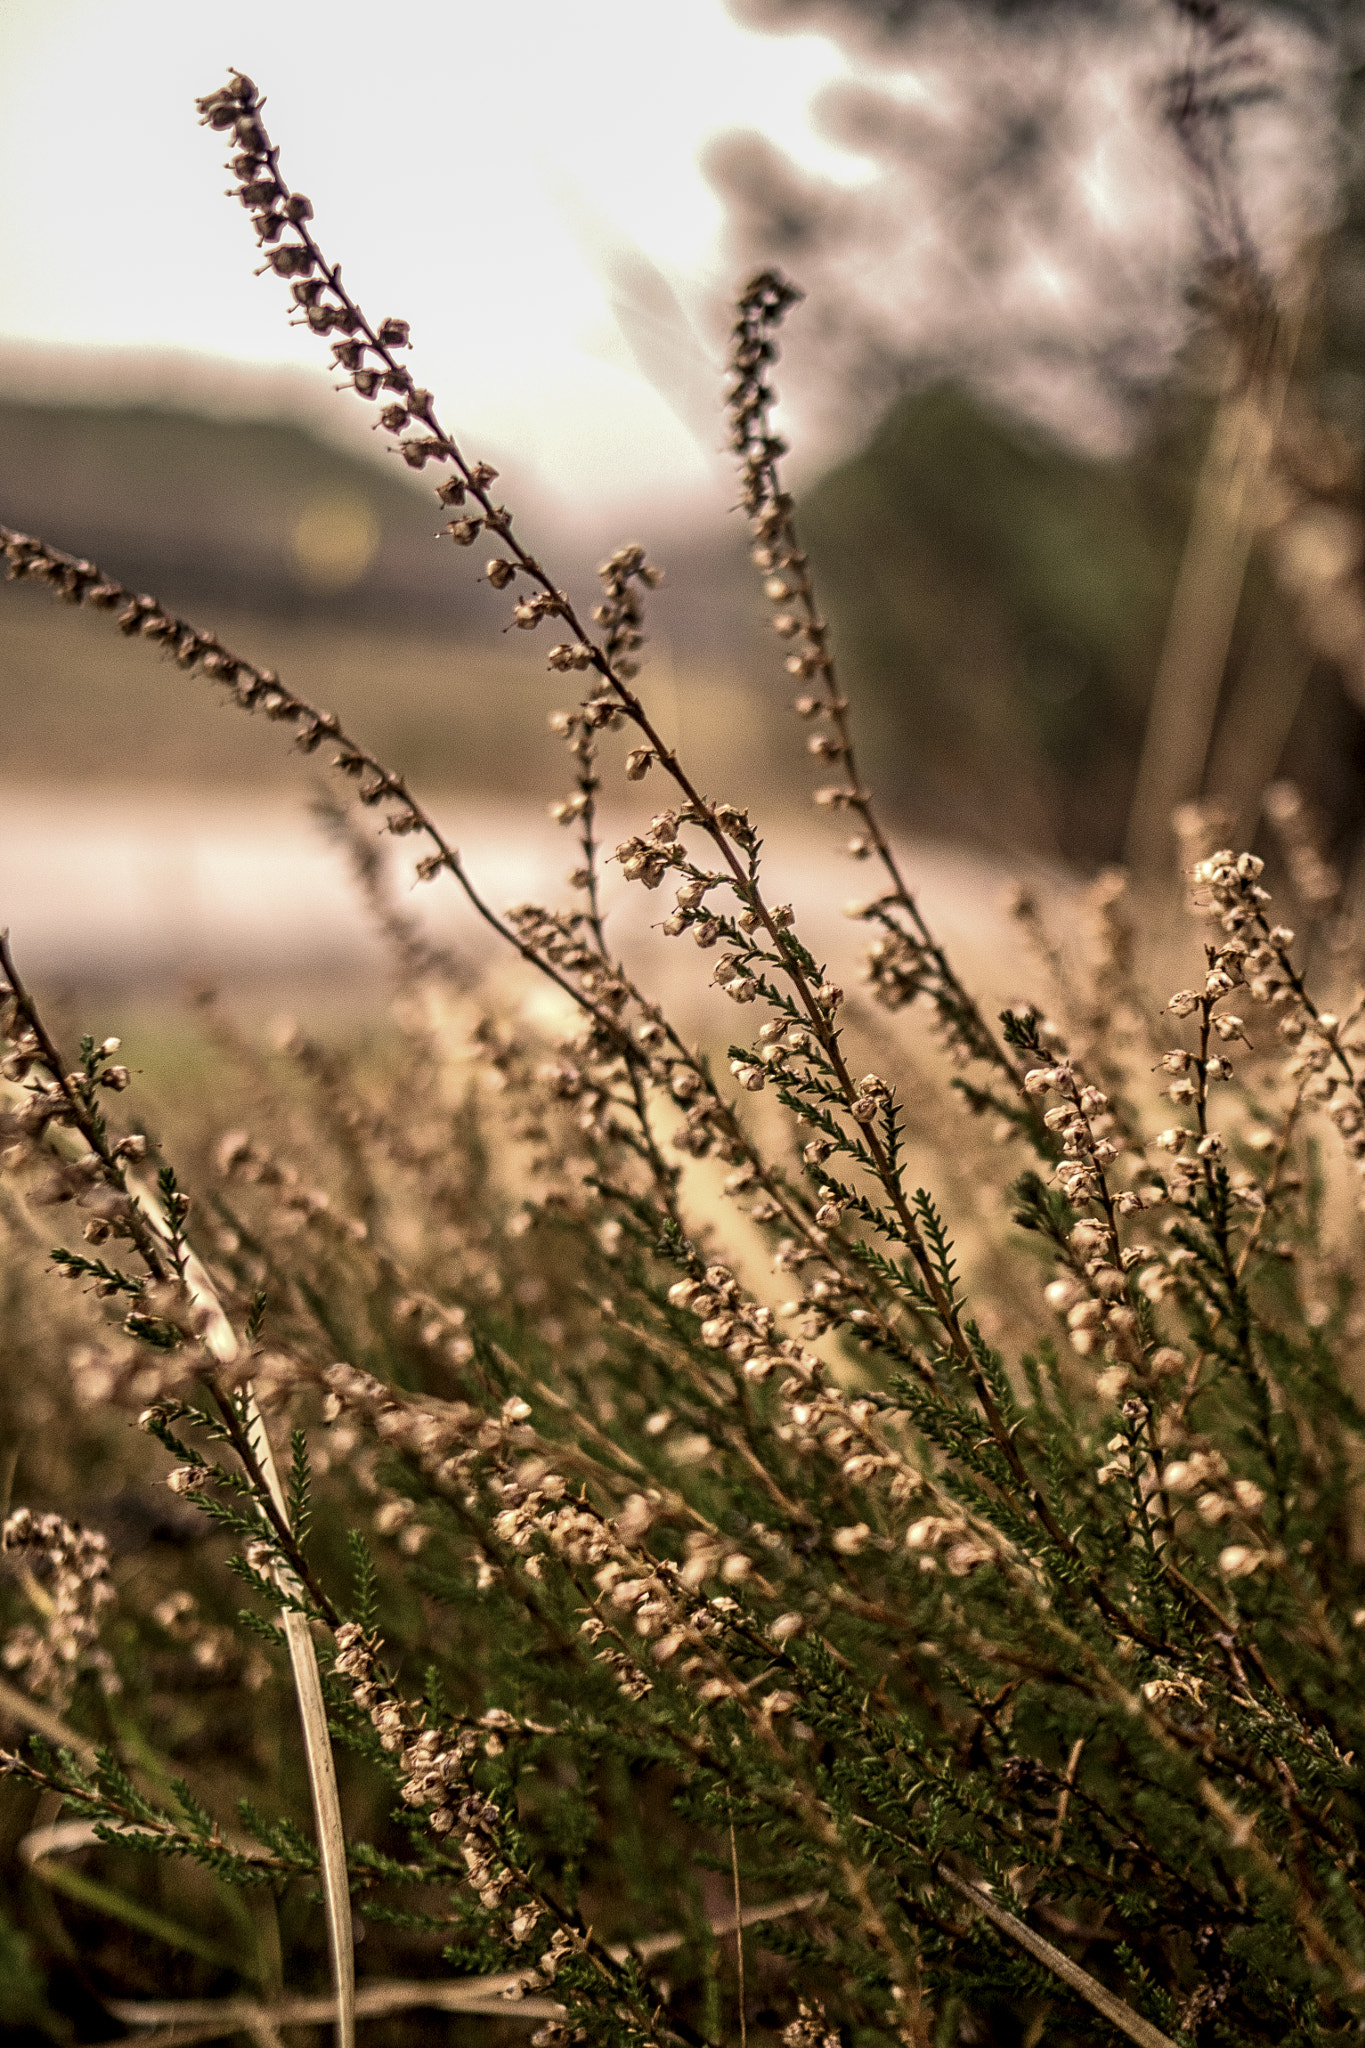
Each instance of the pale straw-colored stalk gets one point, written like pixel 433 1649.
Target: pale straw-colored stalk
pixel 220 1341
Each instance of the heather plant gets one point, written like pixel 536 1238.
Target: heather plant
pixel 720 1588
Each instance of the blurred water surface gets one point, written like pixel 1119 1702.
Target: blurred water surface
pixel 115 891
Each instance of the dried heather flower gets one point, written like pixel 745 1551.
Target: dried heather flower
pixel 74 1564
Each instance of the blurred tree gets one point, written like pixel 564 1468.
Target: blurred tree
pixel 1001 602
pixel 1133 238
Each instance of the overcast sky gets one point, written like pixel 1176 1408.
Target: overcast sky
pixel 478 168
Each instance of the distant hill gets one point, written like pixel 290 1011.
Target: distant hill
pixel 324 562
pixel 998 602
pixel 265 516
pixel 258 514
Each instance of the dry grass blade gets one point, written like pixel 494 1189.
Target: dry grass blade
pixel 213 2019
pixel 31 1713
pixel 221 1341
pixel 322 1777
pixel 65 1836
pixel 217 2019
pixel 1072 1975
pixel 739 1939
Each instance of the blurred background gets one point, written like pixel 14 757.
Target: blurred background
pixel 1076 401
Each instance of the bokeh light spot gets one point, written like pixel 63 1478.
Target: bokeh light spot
pixel 335 538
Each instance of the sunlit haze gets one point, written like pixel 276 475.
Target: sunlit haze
pixel 997 201
pixel 477 168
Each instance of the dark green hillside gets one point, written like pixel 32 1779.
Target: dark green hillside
pixel 324 564
pixel 261 514
pixel 1000 604
pixel 1003 600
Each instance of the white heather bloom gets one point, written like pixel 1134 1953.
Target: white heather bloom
pixel 1239 1560
pixel 75 1564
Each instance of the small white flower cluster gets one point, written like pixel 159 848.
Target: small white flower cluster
pixel 557 936
pixel 810 2028
pixel 569 655
pixel 779 1041
pixel 1192 1150
pixel 437 1764
pixel 239 1156
pixel 562 1943
pixel 734 973
pixel 396 1517
pixel 1120 1465
pixel 75 1564
pixel 446 1438
pixel 1179 1687
pixel 818 1418
pixel 897 968
pixel 1316 882
pixel 963 1548
pixel 212 1647
pixel 1096 1301
pixel 1317 1048
pixel 743 1329
pixel 647 858
pixel 706 1127
pixel 1258 956
pixel 729 1321
pixel 587 1541
pixel 535 1511
pixel 663 1602
pixel 734 977
pixel 1231 889
pixel 630 1680
pixel 584 1074
pixel 824 1419
pixel 38 1098
pixel 1085 1124
pixel 439 1325
pixel 901 968
pixel 763 303
pixel 621 613
pixel 114 1370
pixel 1205 1475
